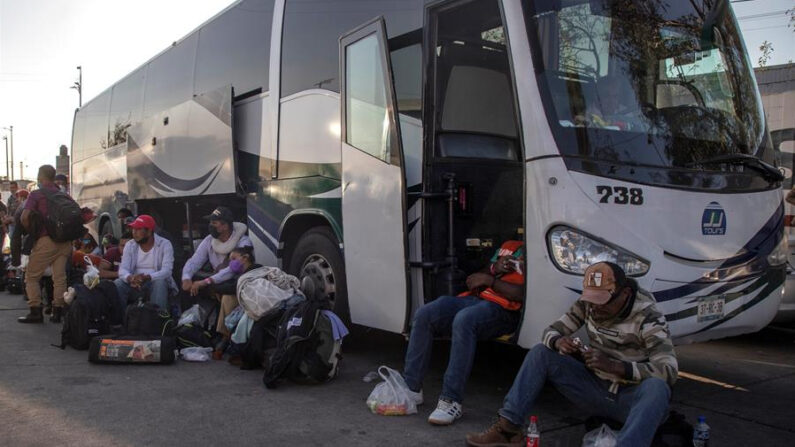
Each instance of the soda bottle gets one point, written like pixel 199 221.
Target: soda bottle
pixel 701 433
pixel 533 435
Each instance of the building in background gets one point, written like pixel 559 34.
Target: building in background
pixel 777 88
pixel 62 161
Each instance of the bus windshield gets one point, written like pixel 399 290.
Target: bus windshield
pixel 661 84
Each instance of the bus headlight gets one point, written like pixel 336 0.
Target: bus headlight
pixel 779 254
pixel 573 251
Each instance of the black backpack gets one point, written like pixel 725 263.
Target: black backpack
pixel 111 293
pixel 256 353
pixel 147 319
pixel 192 335
pixel 305 348
pixel 64 220
pixel 87 317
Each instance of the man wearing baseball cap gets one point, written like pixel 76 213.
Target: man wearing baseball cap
pixel 626 373
pixel 225 235
pixel 146 265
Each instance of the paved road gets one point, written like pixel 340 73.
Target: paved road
pixel 745 386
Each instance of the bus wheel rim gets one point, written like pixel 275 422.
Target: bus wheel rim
pixel 317 267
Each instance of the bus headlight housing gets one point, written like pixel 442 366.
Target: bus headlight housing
pixel 779 254
pixel 573 251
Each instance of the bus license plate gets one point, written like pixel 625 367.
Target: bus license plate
pixel 710 308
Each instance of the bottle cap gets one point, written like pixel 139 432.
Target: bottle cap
pixel 702 419
pixel 533 419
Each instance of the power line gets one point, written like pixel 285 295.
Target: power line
pixel 763 15
pixel 764 28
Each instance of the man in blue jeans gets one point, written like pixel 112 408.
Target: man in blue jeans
pixel 625 374
pixel 488 310
pixel 146 264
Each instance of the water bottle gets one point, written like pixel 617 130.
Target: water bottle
pixel 533 436
pixel 701 433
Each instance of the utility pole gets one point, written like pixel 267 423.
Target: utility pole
pixel 78 85
pixel 8 177
pixel 10 161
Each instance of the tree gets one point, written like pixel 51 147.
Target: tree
pixel 767 52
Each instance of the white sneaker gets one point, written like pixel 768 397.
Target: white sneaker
pixel 445 413
pixel 416 397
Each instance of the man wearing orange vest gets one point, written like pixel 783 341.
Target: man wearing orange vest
pixel 488 310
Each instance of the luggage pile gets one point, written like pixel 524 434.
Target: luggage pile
pixel 282 327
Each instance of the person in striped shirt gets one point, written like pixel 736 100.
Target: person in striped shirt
pixel 626 373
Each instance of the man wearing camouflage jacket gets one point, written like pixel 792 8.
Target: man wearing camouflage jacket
pixel 626 373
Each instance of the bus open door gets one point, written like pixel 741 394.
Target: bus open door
pixel 373 183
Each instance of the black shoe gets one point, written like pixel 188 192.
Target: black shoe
pixel 48 309
pixel 34 316
pixel 57 312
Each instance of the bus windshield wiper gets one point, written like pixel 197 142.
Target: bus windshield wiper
pixel 767 170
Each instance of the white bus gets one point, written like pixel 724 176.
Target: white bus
pixel 387 148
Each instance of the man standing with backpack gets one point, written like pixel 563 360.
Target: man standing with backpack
pixel 60 219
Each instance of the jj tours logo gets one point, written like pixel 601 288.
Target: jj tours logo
pixel 713 221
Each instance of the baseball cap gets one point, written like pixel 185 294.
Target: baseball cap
pixel 221 213
pixel 601 281
pixel 143 221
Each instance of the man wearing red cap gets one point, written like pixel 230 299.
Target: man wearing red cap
pixel 146 264
pixel 625 374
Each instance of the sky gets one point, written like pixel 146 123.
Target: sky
pixel 43 41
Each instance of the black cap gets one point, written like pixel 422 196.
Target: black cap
pixel 221 213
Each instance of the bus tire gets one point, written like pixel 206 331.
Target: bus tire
pixel 319 247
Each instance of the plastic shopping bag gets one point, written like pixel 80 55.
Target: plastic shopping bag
pixel 91 277
pixel 600 437
pixel 195 315
pixel 195 354
pixel 390 397
pixel 233 318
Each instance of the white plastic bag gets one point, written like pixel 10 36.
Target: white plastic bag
pixel 600 437
pixel 233 318
pixel 91 277
pixel 390 397
pixel 196 315
pixel 262 289
pixel 195 354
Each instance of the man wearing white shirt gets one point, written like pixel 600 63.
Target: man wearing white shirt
pixel 146 264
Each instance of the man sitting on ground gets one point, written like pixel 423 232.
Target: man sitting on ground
pixel 225 235
pixel 146 264
pixel 488 310
pixel 114 253
pixel 625 374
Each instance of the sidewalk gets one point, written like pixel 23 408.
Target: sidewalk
pixel 744 386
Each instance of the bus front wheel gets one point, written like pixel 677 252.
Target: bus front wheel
pixel 317 255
